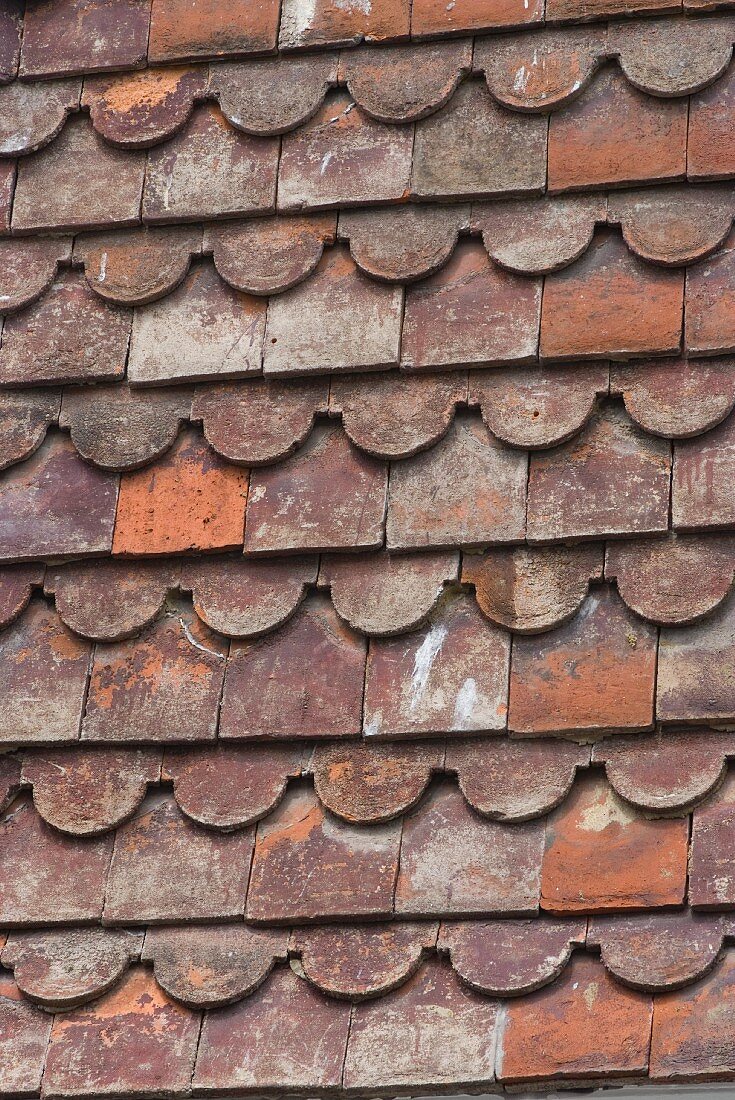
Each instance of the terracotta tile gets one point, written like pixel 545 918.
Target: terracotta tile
pixel 269 255
pixel 335 321
pixel 658 952
pixel 368 782
pixel 25 416
pixel 429 18
pixel 689 1041
pixel 162 686
pixel 109 599
pixel 204 330
pixel 360 961
pixel 566 10
pixel 7 188
pixel 585 1026
pixel 64 967
pixel 709 150
pixel 309 865
pixel 710 289
pixel 46 877
pixel 455 863
pixel 135 110
pixel 32 114
pixel 271 692
pixel 449 677
pixel 694 679
pixel 540 71
pixel 136 266
pixel 190 500
pixel 595 673
pixel 601 854
pixel 11 26
pixel 206 29
pixel 474 147
pixel 701 494
pixel 471 312
pixel 78 182
pixel 328 496
pixel 55 504
pixel 274 95
pixel 211 966
pixel 67 336
pixel 210 170
pixel 672 56
pixel 25 1031
pixel 532 236
pixel 78 36
pixel 287 1035
pixel 673 225
pixel 405 83
pixel 10 785
pixel 431 1033
pixel 614 134
pixel 428 505
pixel 16 587
pixel 119 428
pixel 29 267
pixel 323 23
pixel 405 242
pixel 530 590
pixel 342 156
pixel 611 479
pixel 135 1040
pixel 43 678
pixel 165 868
pixel 676 397
pixel 611 304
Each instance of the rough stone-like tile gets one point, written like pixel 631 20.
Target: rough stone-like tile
pixel 245 598
pixel 211 966
pixel 28 268
pixel 405 83
pixel 70 335
pixel 109 599
pixel 16 587
pixel 32 114
pixel 25 1031
pixel 614 134
pixel 210 170
pixel 585 1025
pixel 136 266
pixel 701 486
pixel 362 961
pixel 190 500
pixel 474 147
pixel 429 18
pixel 11 29
pixel 287 1035
pixel 322 23
pixel 335 321
pixel 63 968
pixel 428 505
pixel 136 110
pixel 134 1041
pixel 450 676
pixel 602 854
pixel 658 952
pixel 25 416
pixel 611 479
pixel 672 581
pixel 204 28
pixel 328 496
pixel 690 1040
pixel 540 71
pixel 695 678
pixel 43 677
pixel 431 1033
pixel 510 956
pixel 163 686
pixel 7 187
pixel 593 674
pixel 166 868
pixel 119 428
pixel 531 589
pixel 533 236
pixel 471 312
pixel 710 154
pixel 368 782
pixel 89 792
pixel 204 330
pixel 229 786
pixel 455 863
pixel 673 225
pixel 270 691
pixel 54 504
pixel 676 397
pixel 383 594
pixel 402 243
pixel 342 156
pixel 269 255
pixel 46 877
pixel 78 182
pixel 78 36
pixel 310 865
pixel 712 868
pixel 672 56
pixel 261 420
pixel 274 95
pixel 611 304
pixel 710 292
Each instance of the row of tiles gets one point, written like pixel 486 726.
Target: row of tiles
pixel 83 791
pixel 471 148
pixel 210 966
pixel 529 72
pixel 594 853
pixel 426 1036
pixel 609 304
pixel 610 481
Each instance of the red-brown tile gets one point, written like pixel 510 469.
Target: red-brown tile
pixel 404 242
pixel 189 500
pixel 11 29
pixel 360 961
pixel 204 28
pixel 16 587
pixel 274 95
pixel 63 36
pixel 25 416
pixel 540 71
pixel 245 597
pixel 32 114
pixel 368 781
pixel 694 682
pixel 691 1029
pixel 136 110
pixel 269 255
pixel 673 225
pixel 29 267
pixel 701 486
pixel 136 266
pixel 676 397
pixel 532 236
pixel 710 153
pixel 24 1030
pixel 710 293
pixel 7 188
pixel 601 854
pixel 593 674
pixel 429 18
pixel 405 83
pixel 323 23
pixel 110 599
pixel 712 868
pixel 672 56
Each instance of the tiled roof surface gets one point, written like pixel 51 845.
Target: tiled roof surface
pixel 367 546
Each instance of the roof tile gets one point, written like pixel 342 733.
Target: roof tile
pixel 692 683
pixel 687 1042
pixel 402 243
pixel 135 110
pixel 182 28
pixel 543 70
pixel 275 95
pixel 245 599
pixel 24 418
pixel 29 267
pixel 701 494
pixel 32 114
pixel 709 150
pixel 25 1029
pixel 269 255
pixel 7 189
pixel 11 27
pixel 361 961
pixel 136 266
pixel 429 18
pixel 16 586
pixel 710 289
pixel 76 36
pixel 539 235
pixel 109 600
pixel 671 56
pixel 660 951
pixel 676 397
pixel 323 23
pixel 673 225
pixel 403 83
pixel 370 782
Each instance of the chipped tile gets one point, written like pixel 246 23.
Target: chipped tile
pixel 25 1030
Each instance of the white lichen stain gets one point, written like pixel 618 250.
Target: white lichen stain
pixel 426 654
pixel 465 703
